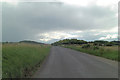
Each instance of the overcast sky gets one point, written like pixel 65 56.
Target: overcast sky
pixel 51 21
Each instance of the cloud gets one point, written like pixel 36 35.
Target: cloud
pixel 53 21
pixel 58 35
pixel 114 36
pixel 112 30
pixel 86 3
pixel 88 35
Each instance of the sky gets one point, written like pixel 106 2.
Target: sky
pixel 54 20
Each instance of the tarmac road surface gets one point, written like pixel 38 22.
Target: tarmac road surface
pixel 68 63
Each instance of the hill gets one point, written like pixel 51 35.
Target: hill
pixel 33 42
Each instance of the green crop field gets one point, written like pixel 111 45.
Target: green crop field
pixel 109 52
pixel 22 59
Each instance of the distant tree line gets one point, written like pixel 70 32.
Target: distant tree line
pixel 24 41
pixel 33 42
pixel 106 43
pixel 76 41
pixel 69 41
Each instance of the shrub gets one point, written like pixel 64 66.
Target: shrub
pixel 101 51
pixel 109 44
pixel 95 47
pixel 86 46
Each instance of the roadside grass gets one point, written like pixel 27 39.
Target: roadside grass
pixel 20 60
pixel 110 52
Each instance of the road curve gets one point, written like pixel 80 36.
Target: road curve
pixel 67 63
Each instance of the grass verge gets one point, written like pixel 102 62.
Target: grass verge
pixel 19 60
pixel 110 52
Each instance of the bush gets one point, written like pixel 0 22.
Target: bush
pixel 101 51
pixel 109 45
pixel 95 47
pixel 86 46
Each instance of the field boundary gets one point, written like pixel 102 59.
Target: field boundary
pixel 41 65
